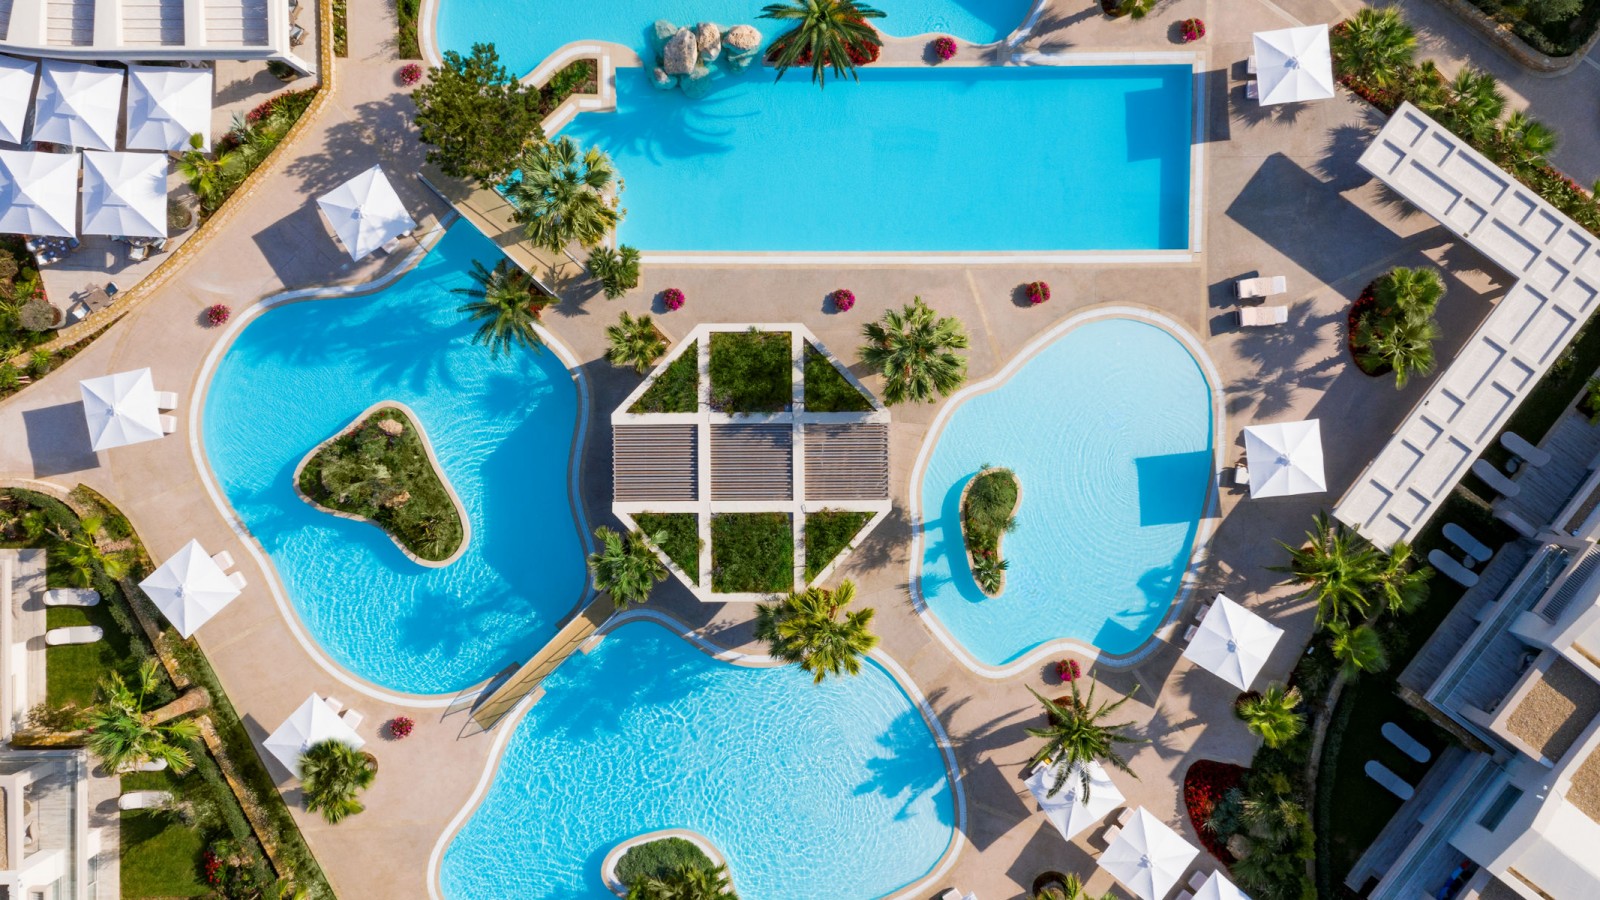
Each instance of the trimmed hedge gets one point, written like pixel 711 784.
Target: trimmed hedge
pixel 659 857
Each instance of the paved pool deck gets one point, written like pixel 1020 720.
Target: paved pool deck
pixel 1283 195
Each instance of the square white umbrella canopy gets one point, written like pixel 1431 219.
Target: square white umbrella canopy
pixel 125 194
pixel 78 105
pixel 1293 64
pixel 311 724
pixel 1232 643
pixel 38 193
pixel 120 409
pixel 16 95
pixel 1219 888
pixel 1148 857
pixel 189 588
pixel 1067 810
pixel 1285 458
pixel 166 106
pixel 366 213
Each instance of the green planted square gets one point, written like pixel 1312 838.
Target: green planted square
pixel 751 372
pixel 827 390
pixel 828 532
pixel 678 536
pixel 752 553
pixel 676 389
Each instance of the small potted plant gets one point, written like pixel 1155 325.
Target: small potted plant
pixel 400 727
pixel 843 299
pixel 1193 30
pixel 672 299
pixel 1068 671
pixel 944 48
pixel 217 314
pixel 1038 292
pixel 410 74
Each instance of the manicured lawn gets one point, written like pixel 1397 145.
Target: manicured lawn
pixel 659 857
pixel 676 390
pixel 752 552
pixel 828 532
pixel 680 538
pixel 751 372
pixel 160 853
pixel 827 390
pixel 73 672
pixel 990 505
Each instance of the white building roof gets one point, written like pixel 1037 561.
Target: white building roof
pixel 1557 266
pixel 152 29
pixel 166 105
pixel 16 95
pixel 125 194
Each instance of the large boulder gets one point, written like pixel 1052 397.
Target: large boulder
pixel 662 32
pixel 681 53
pixel 699 83
pixel 741 37
pixel 709 38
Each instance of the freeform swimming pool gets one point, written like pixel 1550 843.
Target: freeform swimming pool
pixel 646 732
pixel 1109 428
pixel 299 372
pixel 1029 158
pixel 526 32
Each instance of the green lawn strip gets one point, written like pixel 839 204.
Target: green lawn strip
pixel 990 504
pixel 752 552
pixel 73 671
pixel 828 532
pixel 341 31
pixel 827 390
pixel 161 856
pixel 676 389
pixel 658 857
pixel 751 372
pixel 406 45
pixel 390 480
pixel 680 538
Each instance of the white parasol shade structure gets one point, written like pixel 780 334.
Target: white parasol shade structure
pixel 38 193
pixel 120 409
pixel 1219 888
pixel 16 95
pixel 1148 857
pixel 1285 458
pixel 313 723
pixel 125 194
pixel 366 213
pixel 166 106
pixel 1067 810
pixel 189 588
pixel 1293 64
pixel 78 105
pixel 1232 643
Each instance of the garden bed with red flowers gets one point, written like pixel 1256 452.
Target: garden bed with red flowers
pixel 1366 303
pixel 1204 786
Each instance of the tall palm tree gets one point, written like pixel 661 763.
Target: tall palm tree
pixel 914 347
pixel 507 307
pixel 1410 291
pixel 84 556
pixel 625 567
pixel 1401 587
pixel 634 342
pixel 616 270
pixel 1375 45
pixel 562 195
pixel 1473 104
pixel 1358 649
pixel 684 881
pixel 1337 567
pixel 1404 343
pixel 332 773
pixel 1524 140
pixel 123 734
pixel 1075 736
pixel 824 35
pixel 1270 812
pixel 806 629
pixel 1273 715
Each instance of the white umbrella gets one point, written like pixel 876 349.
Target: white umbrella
pixel 125 194
pixel 1148 857
pixel 166 105
pixel 1067 810
pixel 16 95
pixel 366 213
pixel 1219 888
pixel 38 193
pixel 120 409
pixel 189 588
pixel 78 105
pixel 1285 458
pixel 1293 64
pixel 313 723
pixel 1233 643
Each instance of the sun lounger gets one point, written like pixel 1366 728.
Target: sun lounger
pixel 1259 316
pixel 352 718
pixel 1469 545
pixel 1240 475
pixel 1452 570
pixel 1190 633
pixel 151 765
pixel 1197 880
pixel 144 800
pixel 1110 836
pixel 1388 780
pixel 71 597
pixel 169 424
pixel 1184 895
pixel 1407 744
pixel 1250 66
pixel 1251 288
pixel 223 559
pixel 1517 523
pixel 1495 479
pixel 166 400
pixel 1252 90
pixel 237 580
pixel 80 634
pixel 1525 451
pixel 333 703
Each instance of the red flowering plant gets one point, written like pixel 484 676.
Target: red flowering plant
pixel 213 868
pixel 217 314
pixel 1204 786
pixel 1193 30
pixel 843 299
pixel 1038 292
pixel 1068 670
pixel 400 727
pixel 944 48
pixel 672 299
pixel 410 74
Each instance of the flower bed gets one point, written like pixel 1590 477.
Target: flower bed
pixel 827 390
pixel 751 371
pixel 843 299
pixel 1365 304
pixel 679 535
pixel 1038 292
pixel 1204 786
pixel 217 314
pixel 827 533
pixel 672 299
pixel 752 553
pixel 400 727
pixel 1193 30
pixel 410 74
pixel 944 48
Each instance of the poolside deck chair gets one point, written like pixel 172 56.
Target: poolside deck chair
pixel 1405 742
pixel 333 703
pixel 1469 545
pixel 144 800
pixel 1262 316
pixel 169 424
pixel 1240 475
pixel 166 400
pixel 1197 880
pixel 1250 66
pixel 237 579
pixel 1388 780
pixel 223 559
pixel 352 718
pixel 79 634
pixel 1184 895
pixel 1110 837
pixel 1496 479
pixel 1523 450
pixel 1451 569
pixel 1252 90
pixel 1257 288
pixel 71 597
pixel 1517 523
pixel 1188 635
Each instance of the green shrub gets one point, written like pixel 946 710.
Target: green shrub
pixel 752 553
pixel 827 390
pixel 341 31
pixel 676 389
pixel 751 372
pixel 617 270
pixel 406 45
pixel 828 533
pixel 656 858
pixel 680 538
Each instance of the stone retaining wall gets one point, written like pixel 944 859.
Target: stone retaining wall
pixel 1503 38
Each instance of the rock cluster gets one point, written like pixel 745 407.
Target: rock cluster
pixel 686 57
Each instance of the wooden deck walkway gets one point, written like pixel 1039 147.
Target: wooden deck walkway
pixel 494 215
pixel 501 700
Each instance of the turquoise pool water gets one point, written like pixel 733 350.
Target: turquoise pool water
pixel 301 371
pixel 813 792
pixel 1109 429
pixel 1031 158
pixel 526 32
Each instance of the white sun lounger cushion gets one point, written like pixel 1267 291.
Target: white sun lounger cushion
pixel 144 800
pixel 1495 479
pixel 237 580
pixel 1519 445
pixel 71 597
pixel 1257 316
pixel 1264 286
pixel 1469 545
pixel 223 559
pixel 166 400
pixel 1405 742
pixel 80 634
pixel 1390 782
pixel 169 424
pixel 1451 569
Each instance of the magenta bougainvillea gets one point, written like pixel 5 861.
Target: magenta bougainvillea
pixel 944 48
pixel 218 314
pixel 1068 670
pixel 1038 292
pixel 672 298
pixel 1193 30
pixel 410 73
pixel 843 299
pixel 400 727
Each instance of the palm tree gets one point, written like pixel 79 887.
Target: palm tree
pixel 1524 140
pixel 1404 343
pixel 1358 649
pixel 562 195
pixel 1337 567
pixel 625 567
pixel 1410 292
pixel 1273 714
pixel 124 735
pixel 508 305
pixel 1473 104
pixel 1400 587
pixel 684 881
pixel 1071 888
pixel 1270 812
pixel 1375 45
pixel 805 628
pixel 331 774
pixel 914 348
pixel 84 556
pixel 826 32
pixel 634 342
pixel 1075 736
pixel 617 270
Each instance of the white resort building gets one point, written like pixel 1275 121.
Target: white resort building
pixel 131 30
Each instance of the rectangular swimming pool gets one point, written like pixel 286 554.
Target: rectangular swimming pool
pixel 1022 158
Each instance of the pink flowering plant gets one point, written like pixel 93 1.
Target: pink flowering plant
pixel 1068 670
pixel 218 314
pixel 843 299
pixel 1038 292
pixel 672 299
pixel 400 727
pixel 944 48
pixel 410 74
pixel 1193 30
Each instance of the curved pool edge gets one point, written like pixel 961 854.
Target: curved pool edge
pixel 576 454
pixel 1199 552
pixel 508 726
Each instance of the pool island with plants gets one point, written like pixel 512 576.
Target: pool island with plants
pixel 989 510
